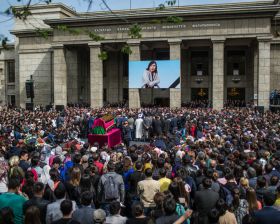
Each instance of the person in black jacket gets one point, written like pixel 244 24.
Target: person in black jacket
pixel 38 201
pixel 205 200
pixel 126 133
pixel 157 126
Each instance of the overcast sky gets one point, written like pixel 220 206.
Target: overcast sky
pixel 6 23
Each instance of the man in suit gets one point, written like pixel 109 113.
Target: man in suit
pixel 269 214
pixel 84 214
pixel 157 126
pixel 205 200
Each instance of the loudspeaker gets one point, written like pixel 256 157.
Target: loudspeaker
pixel 59 107
pixel 260 109
pixel 29 89
pixel 29 106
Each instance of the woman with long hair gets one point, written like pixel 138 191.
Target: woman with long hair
pixel 51 185
pixel 177 189
pixel 32 215
pixel 150 76
pixel 73 186
pixel 7 216
pixel 254 204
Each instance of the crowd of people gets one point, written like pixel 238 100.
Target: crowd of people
pixel 275 97
pixel 199 166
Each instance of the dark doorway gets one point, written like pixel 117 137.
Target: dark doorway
pixel 162 102
pixel 199 94
pixel 236 94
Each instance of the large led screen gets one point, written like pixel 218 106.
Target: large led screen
pixel 154 74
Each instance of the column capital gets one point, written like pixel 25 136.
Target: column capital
pixel 133 42
pixel 216 40
pixel 264 39
pixel 94 44
pixel 174 41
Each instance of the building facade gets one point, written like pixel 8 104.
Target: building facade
pixel 226 51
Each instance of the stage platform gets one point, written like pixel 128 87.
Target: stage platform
pixel 113 137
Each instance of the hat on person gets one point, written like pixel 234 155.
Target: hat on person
pixel 93 149
pixel 99 216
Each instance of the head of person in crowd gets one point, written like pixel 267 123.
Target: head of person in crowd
pixel 169 206
pixel 139 166
pixel 54 175
pixel 32 215
pixel 269 198
pixel 99 216
pixel 24 155
pixel 56 162
pixel 137 209
pixel 60 191
pixel 148 172
pixel 111 166
pixel 86 198
pixel 38 189
pixel 66 208
pixel 207 183
pixel 14 185
pixel 115 208
pixel 7 215
pixel 75 176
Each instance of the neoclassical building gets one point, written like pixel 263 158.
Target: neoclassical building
pixel 226 52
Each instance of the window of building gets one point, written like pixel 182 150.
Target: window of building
pixel 125 94
pixel 12 100
pixel 236 63
pixel 105 95
pixel 199 63
pixel 11 71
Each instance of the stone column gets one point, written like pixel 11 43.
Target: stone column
pixel 134 94
pixel 3 81
pixel 264 72
pixel 96 76
pixel 255 75
pixel 59 75
pixel 72 75
pixel 175 54
pixel 218 74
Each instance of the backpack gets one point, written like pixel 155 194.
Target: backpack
pixel 226 195
pixel 111 190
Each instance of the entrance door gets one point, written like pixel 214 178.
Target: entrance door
pixel 199 94
pixel 162 102
pixel 236 94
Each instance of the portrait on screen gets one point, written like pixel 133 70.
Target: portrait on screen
pixel 154 74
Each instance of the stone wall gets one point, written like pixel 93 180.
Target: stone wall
pixel 275 67
pixel 5 55
pixel 39 65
